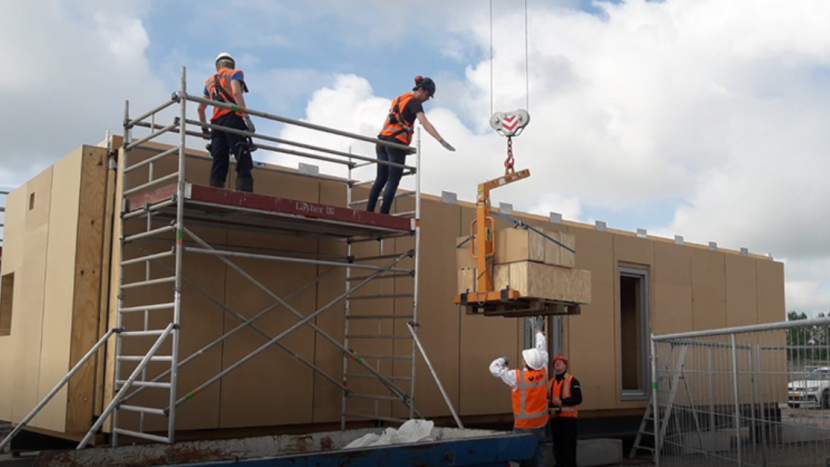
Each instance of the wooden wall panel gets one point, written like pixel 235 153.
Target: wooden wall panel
pixel 770 291
pixel 594 364
pixel 14 237
pixel 633 250
pixel 108 239
pixel 741 300
pixel 327 397
pixel 59 285
pixel 671 309
pixel 283 388
pixel 437 313
pixel 29 312
pixel 708 290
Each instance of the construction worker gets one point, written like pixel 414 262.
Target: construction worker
pixel 397 128
pixel 565 397
pixel 228 85
pixel 530 394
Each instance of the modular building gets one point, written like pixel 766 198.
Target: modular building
pixel 62 269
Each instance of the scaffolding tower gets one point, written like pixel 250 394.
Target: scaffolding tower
pixel 170 205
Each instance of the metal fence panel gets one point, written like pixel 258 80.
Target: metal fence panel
pixel 752 396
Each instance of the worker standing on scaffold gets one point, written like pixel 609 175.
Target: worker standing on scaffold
pixel 227 85
pixel 398 128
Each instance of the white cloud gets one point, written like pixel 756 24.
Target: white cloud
pixel 722 105
pixel 76 64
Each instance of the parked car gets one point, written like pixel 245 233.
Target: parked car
pixel 812 391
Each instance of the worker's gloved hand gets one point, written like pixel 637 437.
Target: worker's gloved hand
pixel 447 145
pixel 206 133
pixel 506 361
pixel 250 124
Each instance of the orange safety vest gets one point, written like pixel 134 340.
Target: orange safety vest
pixel 223 77
pixel 562 390
pixel 530 399
pixel 395 126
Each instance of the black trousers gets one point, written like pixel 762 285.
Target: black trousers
pixel 387 175
pixel 223 144
pixel 564 433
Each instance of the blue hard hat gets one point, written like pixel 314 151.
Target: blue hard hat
pixel 426 83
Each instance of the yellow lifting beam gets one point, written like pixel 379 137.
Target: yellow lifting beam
pixel 483 245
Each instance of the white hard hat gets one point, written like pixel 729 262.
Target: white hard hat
pixel 533 358
pixel 224 56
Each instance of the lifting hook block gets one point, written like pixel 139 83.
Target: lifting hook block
pixel 510 123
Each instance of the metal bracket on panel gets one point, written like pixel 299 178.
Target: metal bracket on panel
pixel 678 239
pixel 713 246
pixel 309 169
pixel 744 251
pixel 642 233
pixel 555 218
pixel 601 226
pixel 506 208
pixel 449 197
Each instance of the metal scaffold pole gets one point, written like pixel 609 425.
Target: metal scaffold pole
pixel 180 194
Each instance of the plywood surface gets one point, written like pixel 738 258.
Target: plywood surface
pixel 770 291
pixel 672 284
pixel 595 365
pixel 708 290
pixel 741 296
pixel 30 307
pixel 633 250
pixel 555 254
pixel 438 315
pixel 326 401
pixel 59 285
pixel 281 399
pixel 106 265
pixel 467 280
pixel 550 282
pixel 514 245
pixel 87 285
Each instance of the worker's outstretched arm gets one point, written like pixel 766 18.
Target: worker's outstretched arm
pixel 542 346
pixel 498 368
pixel 432 131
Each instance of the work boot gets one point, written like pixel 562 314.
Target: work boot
pixel 216 183
pixel 245 184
